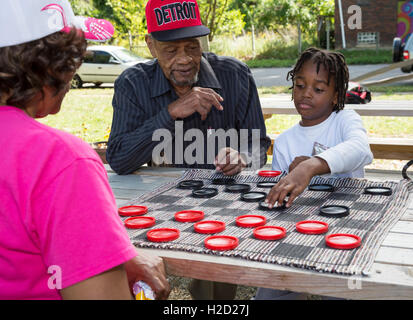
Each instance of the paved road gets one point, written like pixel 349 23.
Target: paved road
pixel 267 77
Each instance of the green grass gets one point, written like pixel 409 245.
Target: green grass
pixel 273 50
pixel 270 63
pixel 386 92
pixel 279 57
pixel 367 56
pixel 390 90
pixel 389 127
pixel 401 127
pixel 395 97
pixel 87 113
pixel 263 91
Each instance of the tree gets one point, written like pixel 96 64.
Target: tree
pixel 232 23
pixel 216 15
pixel 126 15
pixel 285 12
pixel 271 14
pixel 82 7
pixel 129 15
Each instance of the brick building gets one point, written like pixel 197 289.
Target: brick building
pixel 379 20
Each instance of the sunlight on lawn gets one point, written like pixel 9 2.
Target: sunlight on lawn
pixel 87 114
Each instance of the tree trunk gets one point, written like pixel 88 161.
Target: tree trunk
pixel 253 39
pixel 205 43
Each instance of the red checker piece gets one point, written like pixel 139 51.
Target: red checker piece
pixel 162 234
pixel 269 173
pixel 189 215
pixel 132 211
pixel 311 227
pixel 343 241
pixel 209 226
pixel 269 233
pixel 250 221
pixel 139 222
pixel 221 242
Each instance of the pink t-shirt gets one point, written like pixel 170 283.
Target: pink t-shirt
pixel 58 217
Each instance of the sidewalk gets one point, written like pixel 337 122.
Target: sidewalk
pixel 268 77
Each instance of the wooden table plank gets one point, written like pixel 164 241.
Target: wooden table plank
pixel 391 148
pixel 399 240
pixel 121 202
pixel 378 285
pixel 167 172
pixel 398 256
pixel 127 194
pixel 378 108
pixel 408 216
pixel 135 182
pixel 382 175
pixel 403 227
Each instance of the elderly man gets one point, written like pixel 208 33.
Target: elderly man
pixel 185 89
pixel 185 92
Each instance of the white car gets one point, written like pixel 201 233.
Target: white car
pixel 104 64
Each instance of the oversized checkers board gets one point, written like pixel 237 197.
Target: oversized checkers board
pixel 370 218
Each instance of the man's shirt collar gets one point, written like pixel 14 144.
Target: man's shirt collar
pixel 207 77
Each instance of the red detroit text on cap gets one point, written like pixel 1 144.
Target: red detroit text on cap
pixel 161 16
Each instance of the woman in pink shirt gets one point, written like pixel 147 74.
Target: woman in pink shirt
pixel 60 234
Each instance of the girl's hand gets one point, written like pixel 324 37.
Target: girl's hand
pixel 296 181
pixel 296 162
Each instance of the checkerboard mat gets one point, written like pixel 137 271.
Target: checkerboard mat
pixel 371 217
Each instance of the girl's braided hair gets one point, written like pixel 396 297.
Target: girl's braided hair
pixel 335 65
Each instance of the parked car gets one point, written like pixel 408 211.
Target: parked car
pixel 104 64
pixel 403 51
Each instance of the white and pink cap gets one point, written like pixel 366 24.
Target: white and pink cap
pixel 23 21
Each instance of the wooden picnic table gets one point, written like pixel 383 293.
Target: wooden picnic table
pixel 391 276
pixel 378 108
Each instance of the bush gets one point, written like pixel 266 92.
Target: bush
pixel 279 50
pixel 367 56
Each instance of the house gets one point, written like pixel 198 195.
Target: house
pixel 369 21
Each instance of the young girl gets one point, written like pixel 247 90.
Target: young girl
pixel 327 140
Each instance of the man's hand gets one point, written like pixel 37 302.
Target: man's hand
pixel 151 270
pixel 296 181
pixel 199 100
pixel 229 162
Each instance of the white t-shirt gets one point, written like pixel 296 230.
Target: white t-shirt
pixel 340 140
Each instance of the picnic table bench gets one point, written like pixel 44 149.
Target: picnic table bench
pixel 382 148
pixel 391 276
